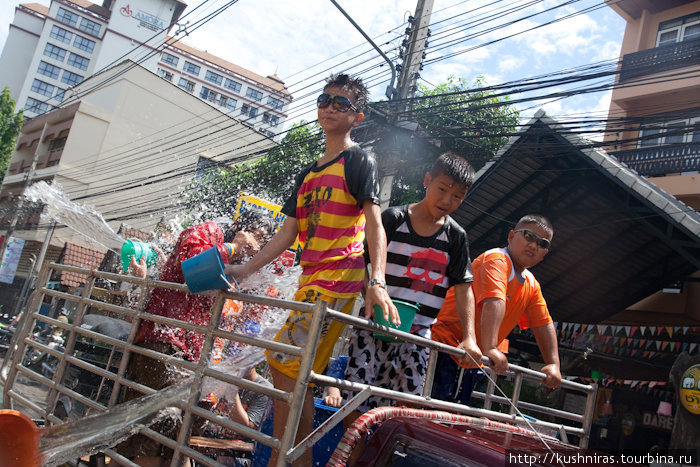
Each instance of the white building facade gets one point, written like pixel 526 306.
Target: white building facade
pixel 50 50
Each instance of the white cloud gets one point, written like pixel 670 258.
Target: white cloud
pixel 510 63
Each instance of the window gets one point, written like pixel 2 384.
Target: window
pixel 275 103
pixel 253 94
pixel 35 106
pixel 165 74
pixel 60 93
pixel 78 61
pixel 54 52
pixel 274 120
pixel 65 16
pixel 214 78
pixel 71 79
pixel 59 143
pixel 186 85
pixel 49 70
pixel 191 68
pixel 231 104
pixel 207 94
pixel 169 59
pixel 83 43
pixel 245 108
pixel 232 85
pixel 223 100
pixel 61 34
pixel 40 87
pixel 249 111
pixel 270 134
pixel 89 27
pixel 253 112
pixel 266 118
pixel 670 132
pixel 681 29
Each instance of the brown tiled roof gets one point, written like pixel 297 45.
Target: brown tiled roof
pixel 128 232
pixel 36 7
pixel 273 81
pixel 78 255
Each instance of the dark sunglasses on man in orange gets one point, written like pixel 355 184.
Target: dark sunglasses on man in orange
pixel 532 237
pixel 340 103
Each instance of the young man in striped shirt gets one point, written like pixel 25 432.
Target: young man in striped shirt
pixel 334 206
pixel 427 253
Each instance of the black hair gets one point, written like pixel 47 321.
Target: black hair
pixel 355 86
pixel 454 166
pixel 536 219
pixel 250 220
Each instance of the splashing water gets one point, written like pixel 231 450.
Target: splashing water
pixel 81 218
pixel 255 321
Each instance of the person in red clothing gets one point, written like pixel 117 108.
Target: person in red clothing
pixel 506 294
pixel 248 233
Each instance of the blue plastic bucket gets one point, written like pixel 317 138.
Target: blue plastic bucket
pixel 407 312
pixel 205 271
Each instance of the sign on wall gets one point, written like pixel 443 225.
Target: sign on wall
pixel 10 260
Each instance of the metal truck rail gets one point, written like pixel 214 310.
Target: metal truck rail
pixel 111 369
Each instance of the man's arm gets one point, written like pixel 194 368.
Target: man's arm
pixel 492 313
pixel 464 300
pixel 282 240
pixel 376 244
pixel 546 338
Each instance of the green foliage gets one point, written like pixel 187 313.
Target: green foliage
pixel 474 124
pixel 10 126
pixel 270 177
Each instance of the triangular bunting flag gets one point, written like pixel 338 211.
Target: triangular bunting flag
pixel 627 330
pixel 685 329
pixel 693 346
pixel 669 330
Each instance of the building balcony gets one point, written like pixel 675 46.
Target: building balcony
pixel 662 160
pixel 660 59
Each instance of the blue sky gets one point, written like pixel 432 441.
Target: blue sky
pixel 303 41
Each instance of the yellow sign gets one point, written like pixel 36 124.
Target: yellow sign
pixel 690 389
pixel 248 202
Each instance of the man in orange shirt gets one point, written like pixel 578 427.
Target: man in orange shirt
pixel 506 294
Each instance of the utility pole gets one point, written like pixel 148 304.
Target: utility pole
pixel 412 52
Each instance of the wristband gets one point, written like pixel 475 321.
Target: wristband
pixel 378 282
pixel 230 249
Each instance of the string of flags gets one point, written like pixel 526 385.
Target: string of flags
pixel 629 341
pixel 659 389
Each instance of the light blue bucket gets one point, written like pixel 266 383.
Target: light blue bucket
pixel 205 271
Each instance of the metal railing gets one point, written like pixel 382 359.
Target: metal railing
pixel 113 373
pixel 662 160
pixel 660 59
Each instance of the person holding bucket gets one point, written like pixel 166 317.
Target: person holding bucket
pixel 335 203
pixel 427 253
pixel 242 239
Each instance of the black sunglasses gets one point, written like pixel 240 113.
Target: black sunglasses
pixel 340 103
pixel 532 237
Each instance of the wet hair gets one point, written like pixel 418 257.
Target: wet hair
pixel 250 220
pixel 454 166
pixel 536 219
pixel 354 86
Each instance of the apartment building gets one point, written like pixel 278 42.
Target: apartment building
pixel 654 118
pixel 50 50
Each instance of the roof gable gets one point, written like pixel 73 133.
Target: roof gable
pixel 617 237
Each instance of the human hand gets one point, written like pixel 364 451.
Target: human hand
pixel 237 271
pixel 474 354
pixel 499 362
pixel 333 397
pixel 377 295
pixel 138 269
pixel 245 245
pixel 553 379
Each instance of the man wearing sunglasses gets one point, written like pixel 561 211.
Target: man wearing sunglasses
pixel 334 206
pixel 506 293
